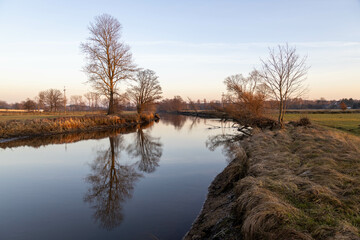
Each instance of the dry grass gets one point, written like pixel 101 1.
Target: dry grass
pixel 47 126
pixel 6 116
pixel 302 183
pixel 37 142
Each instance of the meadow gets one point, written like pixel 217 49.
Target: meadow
pixel 348 122
pixel 6 116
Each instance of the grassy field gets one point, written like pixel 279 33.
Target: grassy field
pixel 342 121
pixel 6 116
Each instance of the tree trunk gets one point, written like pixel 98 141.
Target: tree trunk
pixel 111 109
pixel 281 113
pixel 140 108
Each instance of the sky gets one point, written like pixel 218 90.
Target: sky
pixel 191 45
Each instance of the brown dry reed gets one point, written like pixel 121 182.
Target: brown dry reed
pixel 17 128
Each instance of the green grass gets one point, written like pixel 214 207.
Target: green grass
pixel 345 122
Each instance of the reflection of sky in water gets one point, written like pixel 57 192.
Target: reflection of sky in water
pixel 43 189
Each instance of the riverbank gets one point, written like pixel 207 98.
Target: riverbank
pixel 296 183
pixel 347 121
pixel 13 129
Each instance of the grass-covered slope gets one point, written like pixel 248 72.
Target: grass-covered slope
pixel 297 183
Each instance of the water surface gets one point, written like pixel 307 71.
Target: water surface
pixel 146 182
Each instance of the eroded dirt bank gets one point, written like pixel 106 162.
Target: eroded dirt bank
pixel 297 183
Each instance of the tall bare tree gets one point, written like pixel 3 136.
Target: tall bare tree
pixel 284 72
pixel 145 90
pixel 109 60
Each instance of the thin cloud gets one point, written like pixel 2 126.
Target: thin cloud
pixel 246 44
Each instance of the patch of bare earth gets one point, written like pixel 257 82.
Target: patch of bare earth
pixel 296 183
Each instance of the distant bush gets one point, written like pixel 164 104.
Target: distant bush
pixel 304 121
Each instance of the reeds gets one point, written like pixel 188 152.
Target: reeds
pixel 16 128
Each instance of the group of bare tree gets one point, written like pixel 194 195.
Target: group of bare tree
pixel 52 99
pixel 280 79
pixel 172 105
pixel 109 62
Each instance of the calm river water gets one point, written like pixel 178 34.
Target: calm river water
pixel 140 183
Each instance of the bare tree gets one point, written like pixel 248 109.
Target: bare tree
pixel 284 72
pixel 4 104
pixel 29 104
pixel 77 102
pixel 95 98
pixel 175 104
pixel 53 99
pixel 88 97
pixel 109 61
pixel 244 99
pixel 40 99
pixel 146 89
pixel 193 106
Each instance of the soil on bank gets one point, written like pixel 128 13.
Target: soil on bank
pixel 295 183
pixel 13 129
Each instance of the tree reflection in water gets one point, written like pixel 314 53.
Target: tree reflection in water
pixel 175 120
pixel 229 142
pixel 147 148
pixel 113 183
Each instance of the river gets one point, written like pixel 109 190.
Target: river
pixel 148 182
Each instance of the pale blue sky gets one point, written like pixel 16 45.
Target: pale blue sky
pixel 192 45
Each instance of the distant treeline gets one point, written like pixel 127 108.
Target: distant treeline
pixel 323 104
pixel 92 101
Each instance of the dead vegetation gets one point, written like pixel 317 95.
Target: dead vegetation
pixel 40 141
pixel 35 127
pixel 245 101
pixel 300 183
